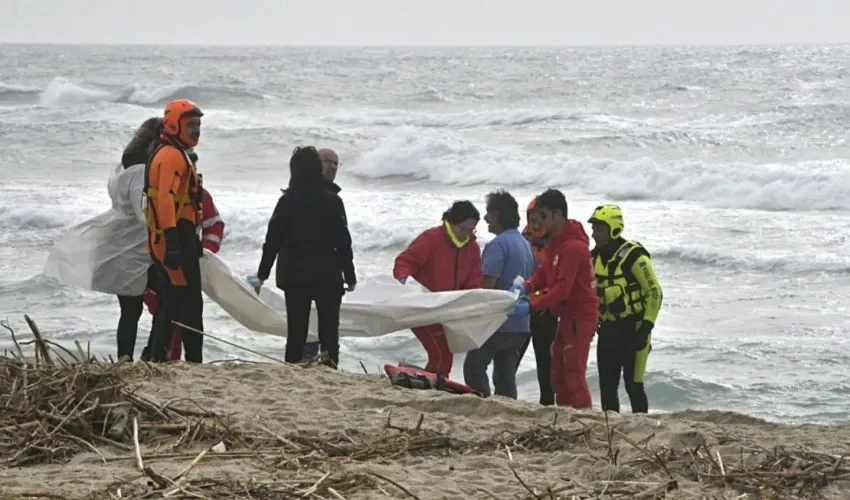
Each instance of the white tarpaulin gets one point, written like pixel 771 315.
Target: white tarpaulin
pixel 107 253
pixel 375 308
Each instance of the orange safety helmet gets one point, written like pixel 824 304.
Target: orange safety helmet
pixel 532 206
pixel 174 117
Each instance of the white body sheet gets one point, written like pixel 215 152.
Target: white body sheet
pixel 375 308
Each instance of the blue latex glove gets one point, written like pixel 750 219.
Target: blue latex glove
pixel 521 288
pixel 521 308
pixel 254 281
pixel 402 280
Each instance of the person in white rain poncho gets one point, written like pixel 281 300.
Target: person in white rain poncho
pixel 109 252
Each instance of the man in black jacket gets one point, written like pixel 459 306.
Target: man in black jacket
pixel 330 165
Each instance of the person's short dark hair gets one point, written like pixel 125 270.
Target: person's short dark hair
pixel 460 211
pixel 505 207
pixel 305 168
pixel 552 199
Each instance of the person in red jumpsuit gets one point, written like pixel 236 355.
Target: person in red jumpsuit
pixel 444 257
pixel 212 234
pixel 564 284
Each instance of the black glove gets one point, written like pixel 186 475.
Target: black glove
pixel 172 248
pixel 644 330
pixel 193 156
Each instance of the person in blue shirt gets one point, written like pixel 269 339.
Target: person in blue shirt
pixel 504 258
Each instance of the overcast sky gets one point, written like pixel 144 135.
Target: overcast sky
pixel 426 22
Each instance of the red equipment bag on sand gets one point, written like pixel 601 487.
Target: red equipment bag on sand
pixel 413 377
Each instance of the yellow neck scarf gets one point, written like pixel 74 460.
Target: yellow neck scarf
pixel 458 243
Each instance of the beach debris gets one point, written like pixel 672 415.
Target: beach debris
pixel 54 406
pixel 336 464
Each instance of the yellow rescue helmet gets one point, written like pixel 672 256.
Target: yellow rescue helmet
pixel 611 216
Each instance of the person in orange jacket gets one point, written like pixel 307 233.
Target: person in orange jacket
pixel 172 202
pixel 543 322
pixel 564 284
pixel 212 235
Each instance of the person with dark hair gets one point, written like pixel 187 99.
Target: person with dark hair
pixel 543 322
pixel 444 257
pixel 109 252
pixel 308 236
pixel 564 283
pixel 133 161
pixel 505 258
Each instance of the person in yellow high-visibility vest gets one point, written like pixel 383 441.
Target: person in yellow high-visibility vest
pixel 630 299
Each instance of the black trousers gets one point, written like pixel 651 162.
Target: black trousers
pixel 311 350
pixel 128 324
pixel 616 356
pixel 299 300
pixel 544 325
pixel 132 307
pixel 179 303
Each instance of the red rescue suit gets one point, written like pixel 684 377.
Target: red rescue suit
pixel 564 284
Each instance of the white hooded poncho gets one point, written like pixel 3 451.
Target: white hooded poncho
pixel 109 252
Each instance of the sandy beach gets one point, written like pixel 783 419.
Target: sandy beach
pixel 286 431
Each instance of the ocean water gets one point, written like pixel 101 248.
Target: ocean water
pixel 731 165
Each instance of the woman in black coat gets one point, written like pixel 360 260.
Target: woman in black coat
pixel 308 235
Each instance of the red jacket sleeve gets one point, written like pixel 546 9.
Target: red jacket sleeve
pixel 411 259
pixel 475 278
pixel 561 285
pixel 212 227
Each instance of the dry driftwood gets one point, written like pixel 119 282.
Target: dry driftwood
pixel 52 407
